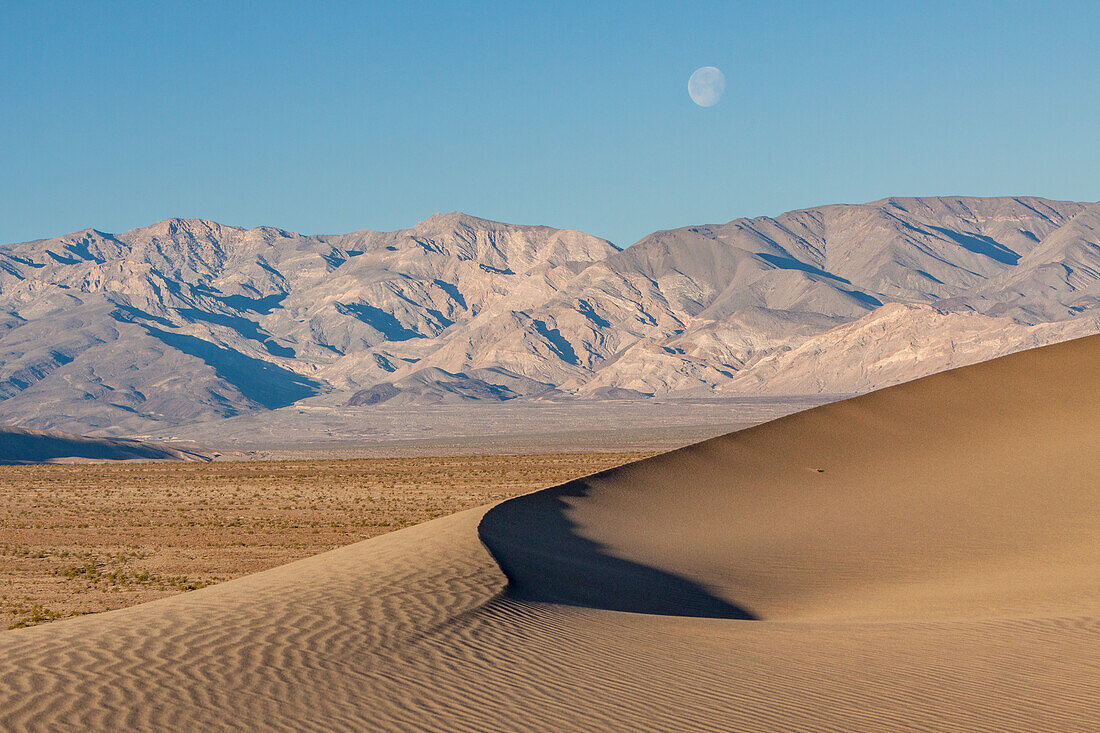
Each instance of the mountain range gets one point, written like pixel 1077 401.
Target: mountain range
pixel 188 320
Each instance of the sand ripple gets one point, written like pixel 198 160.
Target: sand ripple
pixel 922 558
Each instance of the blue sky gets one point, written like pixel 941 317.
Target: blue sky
pixel 331 117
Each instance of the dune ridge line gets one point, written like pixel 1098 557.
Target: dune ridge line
pixel 924 556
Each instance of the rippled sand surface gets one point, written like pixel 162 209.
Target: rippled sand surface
pixel 922 557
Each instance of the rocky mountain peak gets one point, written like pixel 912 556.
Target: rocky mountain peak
pixel 187 319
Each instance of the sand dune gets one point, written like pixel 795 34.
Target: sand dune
pixel 923 557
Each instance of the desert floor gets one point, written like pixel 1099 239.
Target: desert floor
pixel 77 539
pixel 924 557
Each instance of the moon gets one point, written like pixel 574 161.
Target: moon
pixel 706 85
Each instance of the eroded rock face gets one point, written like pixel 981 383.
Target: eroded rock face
pixel 189 320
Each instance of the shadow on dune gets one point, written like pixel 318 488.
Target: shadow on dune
pixel 544 559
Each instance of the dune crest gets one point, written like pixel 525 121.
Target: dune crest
pixel 899 504
pixel 922 557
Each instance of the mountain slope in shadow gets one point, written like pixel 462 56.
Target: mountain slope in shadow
pixel 19 446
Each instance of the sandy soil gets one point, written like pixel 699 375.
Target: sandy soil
pixel 921 558
pixel 88 538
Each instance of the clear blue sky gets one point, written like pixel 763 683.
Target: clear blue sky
pixel 330 117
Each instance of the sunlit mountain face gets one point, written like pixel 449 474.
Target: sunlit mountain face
pixel 189 320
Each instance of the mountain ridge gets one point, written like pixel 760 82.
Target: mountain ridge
pixel 188 319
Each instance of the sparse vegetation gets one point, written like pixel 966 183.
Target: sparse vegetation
pixel 78 539
pixel 27 615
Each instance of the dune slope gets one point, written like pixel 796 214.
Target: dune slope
pixel 900 504
pixel 923 557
